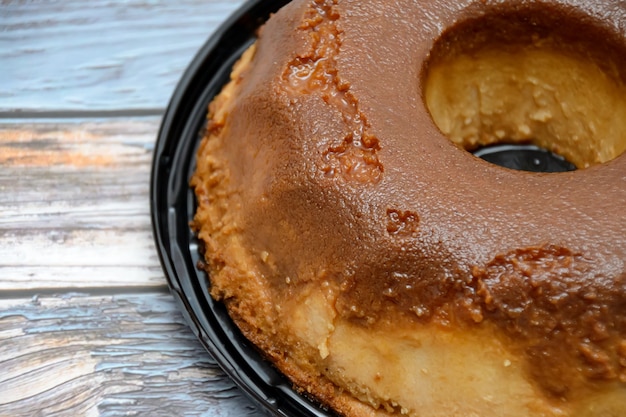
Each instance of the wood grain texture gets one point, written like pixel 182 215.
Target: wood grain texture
pixel 123 355
pixel 100 55
pixel 87 326
pixel 74 206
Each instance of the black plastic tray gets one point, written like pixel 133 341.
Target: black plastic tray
pixel 173 205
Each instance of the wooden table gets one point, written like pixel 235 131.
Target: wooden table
pixel 87 324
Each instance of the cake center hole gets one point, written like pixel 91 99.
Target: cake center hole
pixel 525 91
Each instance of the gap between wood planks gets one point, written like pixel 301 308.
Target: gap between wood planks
pixel 41 115
pixel 83 292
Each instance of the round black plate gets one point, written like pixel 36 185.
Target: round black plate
pixel 525 158
pixel 173 205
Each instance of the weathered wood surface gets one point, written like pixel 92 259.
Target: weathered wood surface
pixel 119 355
pixel 87 326
pixel 74 205
pixel 101 54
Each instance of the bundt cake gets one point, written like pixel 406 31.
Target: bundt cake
pixel 379 264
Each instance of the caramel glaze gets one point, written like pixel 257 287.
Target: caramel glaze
pixel 344 177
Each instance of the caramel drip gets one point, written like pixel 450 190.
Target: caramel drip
pixel 315 72
pixel 534 294
pixel 402 223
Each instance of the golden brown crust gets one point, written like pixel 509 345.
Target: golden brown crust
pixel 342 227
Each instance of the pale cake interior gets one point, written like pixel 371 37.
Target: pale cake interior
pixel 539 93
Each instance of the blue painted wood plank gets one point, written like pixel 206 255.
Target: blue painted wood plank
pixel 100 55
pixel 115 355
